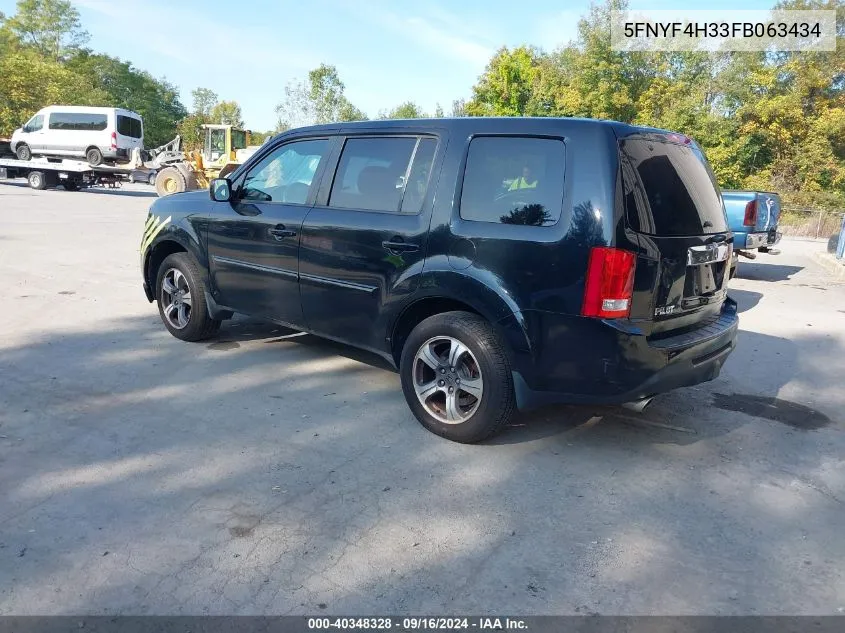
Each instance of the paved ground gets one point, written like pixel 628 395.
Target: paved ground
pixel 272 473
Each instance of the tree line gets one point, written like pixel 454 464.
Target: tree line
pixel 772 121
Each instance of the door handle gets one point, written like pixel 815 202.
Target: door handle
pixel 399 246
pixel 279 232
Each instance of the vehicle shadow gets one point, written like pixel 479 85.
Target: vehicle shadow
pixel 684 416
pixel 745 299
pixel 758 271
pixel 242 328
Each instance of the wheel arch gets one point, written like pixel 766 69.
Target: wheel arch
pixel 173 239
pixel 455 291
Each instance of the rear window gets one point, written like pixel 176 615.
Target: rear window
pixel 78 121
pixel 129 126
pixel 669 189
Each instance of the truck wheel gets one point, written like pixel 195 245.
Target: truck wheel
pixel 170 180
pixel 181 299
pixel 23 152
pixel 94 156
pixel 37 180
pixel 457 378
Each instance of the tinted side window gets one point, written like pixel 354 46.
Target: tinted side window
pixel 286 173
pixel 419 176
pixel 371 173
pixel 35 123
pixel 78 121
pixel 514 180
pixel 128 126
pixel 238 139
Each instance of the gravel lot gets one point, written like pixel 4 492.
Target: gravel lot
pixel 268 472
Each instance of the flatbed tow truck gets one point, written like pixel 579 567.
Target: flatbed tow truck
pixel 73 175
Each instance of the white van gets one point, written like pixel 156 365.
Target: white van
pixel 96 134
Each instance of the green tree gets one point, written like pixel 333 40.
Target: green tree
pixel 318 99
pixel 459 108
pixel 506 86
pixel 156 100
pixel 438 112
pixel 191 130
pixel 51 27
pixel 407 110
pixel 258 138
pixel 28 82
pixel 8 40
pixel 204 101
pixel 228 113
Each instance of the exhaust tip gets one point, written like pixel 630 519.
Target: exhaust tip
pixel 638 405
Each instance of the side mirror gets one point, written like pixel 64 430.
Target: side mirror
pixel 220 190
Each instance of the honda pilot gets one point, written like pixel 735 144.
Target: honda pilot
pixel 498 263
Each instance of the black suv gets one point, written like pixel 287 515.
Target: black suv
pixel 498 263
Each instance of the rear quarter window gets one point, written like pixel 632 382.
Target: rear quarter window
pixel 513 180
pixel 670 189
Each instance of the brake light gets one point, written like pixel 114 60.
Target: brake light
pixel 750 214
pixel 114 140
pixel 609 284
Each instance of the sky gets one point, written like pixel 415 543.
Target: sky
pixel 386 53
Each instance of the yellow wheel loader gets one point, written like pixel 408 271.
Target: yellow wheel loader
pixel 224 149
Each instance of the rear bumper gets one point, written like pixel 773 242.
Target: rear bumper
pixel 756 240
pixel 115 153
pixel 615 363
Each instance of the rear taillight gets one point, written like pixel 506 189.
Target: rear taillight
pixel 750 214
pixel 114 140
pixel 610 283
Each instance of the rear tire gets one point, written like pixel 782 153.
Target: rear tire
pixel 466 351
pixel 170 180
pixel 37 180
pixel 23 152
pixel 94 156
pixel 180 293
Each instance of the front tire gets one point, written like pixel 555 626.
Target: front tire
pixel 456 377
pixel 181 299
pixel 23 152
pixel 170 180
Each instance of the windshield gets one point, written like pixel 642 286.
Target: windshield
pixel 670 189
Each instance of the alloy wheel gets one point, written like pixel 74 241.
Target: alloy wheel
pixel 176 298
pixel 447 379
